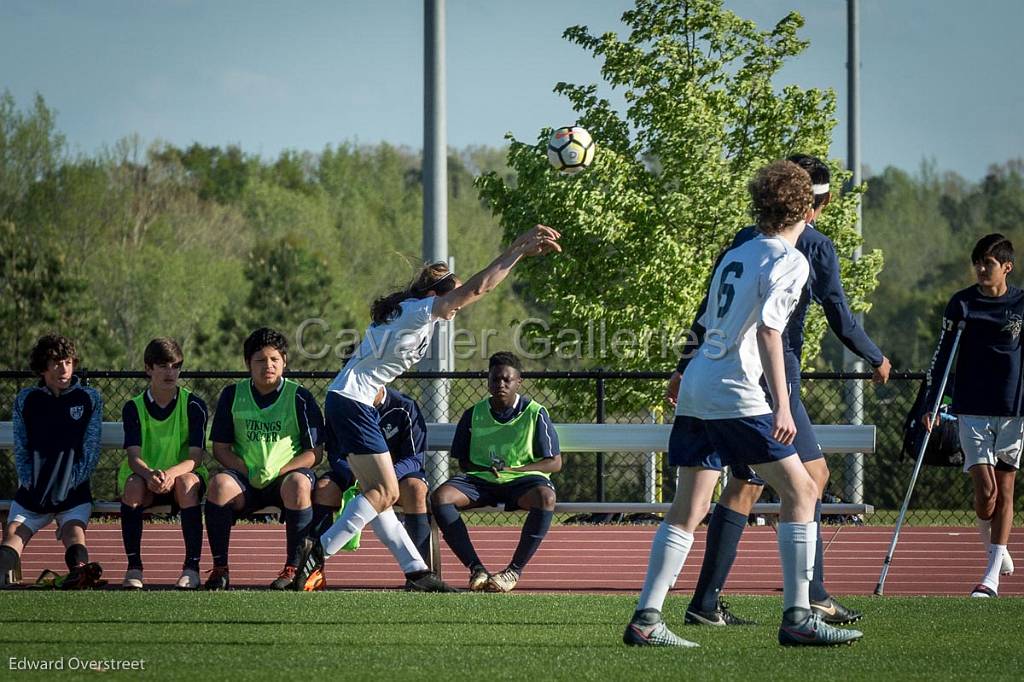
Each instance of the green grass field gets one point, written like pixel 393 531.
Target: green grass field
pixel 393 635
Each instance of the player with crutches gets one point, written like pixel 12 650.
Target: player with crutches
pixel 987 398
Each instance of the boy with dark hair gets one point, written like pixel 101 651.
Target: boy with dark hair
pixel 267 434
pixel 744 487
pixel 507 448
pixel 57 426
pixel 987 394
pixel 165 442
pixel 405 431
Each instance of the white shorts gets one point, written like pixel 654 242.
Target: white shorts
pixel 987 439
pixel 36 520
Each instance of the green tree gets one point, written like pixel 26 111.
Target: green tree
pixel 642 227
pixel 288 284
pixel 30 149
pixel 38 296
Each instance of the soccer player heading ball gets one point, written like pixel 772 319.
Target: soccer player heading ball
pixel 721 408
pixel 398 338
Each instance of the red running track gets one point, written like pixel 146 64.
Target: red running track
pixel 928 561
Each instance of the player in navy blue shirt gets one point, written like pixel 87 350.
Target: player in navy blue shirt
pixel 57 426
pixel 744 488
pixel 405 432
pixel 987 394
pixel 507 448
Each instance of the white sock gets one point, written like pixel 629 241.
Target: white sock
pixel 668 554
pixel 356 515
pixel 984 530
pixel 396 538
pixel 995 563
pixel 797 543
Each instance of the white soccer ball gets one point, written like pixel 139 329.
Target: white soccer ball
pixel 571 149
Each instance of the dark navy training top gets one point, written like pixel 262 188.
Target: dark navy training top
pixel 403 425
pixel 56 446
pixel 823 287
pixel 988 361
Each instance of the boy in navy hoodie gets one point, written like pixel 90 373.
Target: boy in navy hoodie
pixel 57 427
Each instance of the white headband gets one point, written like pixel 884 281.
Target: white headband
pixel 820 189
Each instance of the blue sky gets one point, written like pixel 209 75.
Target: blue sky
pixel 941 79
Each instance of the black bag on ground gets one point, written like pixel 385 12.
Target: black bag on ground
pixel 944 444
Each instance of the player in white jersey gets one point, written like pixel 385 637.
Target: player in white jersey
pixel 398 338
pixel 721 407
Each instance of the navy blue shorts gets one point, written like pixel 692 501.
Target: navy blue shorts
pixel 805 442
pixel 355 427
pixel 342 476
pixel 736 442
pixel 483 493
pixel 269 496
pixel 703 455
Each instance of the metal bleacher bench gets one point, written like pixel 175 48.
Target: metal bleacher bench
pixel 834 439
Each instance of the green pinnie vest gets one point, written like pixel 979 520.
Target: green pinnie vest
pixel 164 442
pixel 511 442
pixel 266 439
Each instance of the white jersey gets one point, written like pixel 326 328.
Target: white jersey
pixel 757 283
pixel 387 351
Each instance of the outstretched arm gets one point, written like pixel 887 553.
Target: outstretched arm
pixel 827 290
pixel 535 242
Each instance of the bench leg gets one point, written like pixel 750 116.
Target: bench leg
pixel 434 560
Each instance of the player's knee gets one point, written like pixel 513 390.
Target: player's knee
pixel 72 533
pixel 134 491
pixel 387 493
pixel 740 495
pixel 808 490
pixel 443 495
pixel 223 488
pixel 413 494
pixel 296 483
pixel 327 493
pixel 984 504
pixel 186 489
pixel 545 497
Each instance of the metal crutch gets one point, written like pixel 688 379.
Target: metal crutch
pixel 920 460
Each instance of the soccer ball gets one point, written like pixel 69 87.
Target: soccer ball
pixel 571 149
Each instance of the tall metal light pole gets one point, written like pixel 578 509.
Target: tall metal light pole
pixel 435 214
pixel 853 475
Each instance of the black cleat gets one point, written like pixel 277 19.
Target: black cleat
pixel 311 560
pixel 218 579
pixel 285 579
pixel 83 577
pixel 720 617
pixel 428 582
pixel 812 631
pixel 834 613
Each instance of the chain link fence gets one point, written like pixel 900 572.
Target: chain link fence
pixel 942 495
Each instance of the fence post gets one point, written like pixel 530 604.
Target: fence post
pixel 600 420
pixel 853 464
pixel 436 398
pixel 650 466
